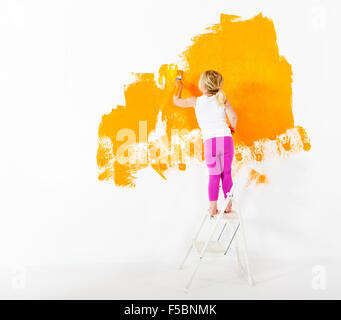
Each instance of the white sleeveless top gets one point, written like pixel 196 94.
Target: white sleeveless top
pixel 211 117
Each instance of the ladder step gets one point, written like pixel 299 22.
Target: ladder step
pixel 233 215
pixel 212 247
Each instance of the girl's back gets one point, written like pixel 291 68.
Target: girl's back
pixel 211 117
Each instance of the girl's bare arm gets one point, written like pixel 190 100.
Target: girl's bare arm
pixel 184 103
pixel 231 114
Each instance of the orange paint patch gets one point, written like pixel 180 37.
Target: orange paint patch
pixel 257 82
pixel 255 176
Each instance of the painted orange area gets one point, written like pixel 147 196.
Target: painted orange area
pixel 257 82
pixel 255 176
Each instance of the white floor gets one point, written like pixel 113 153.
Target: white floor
pixel 217 278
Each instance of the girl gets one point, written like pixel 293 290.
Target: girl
pixel 210 111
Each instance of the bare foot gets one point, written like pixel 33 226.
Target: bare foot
pixel 212 213
pixel 228 207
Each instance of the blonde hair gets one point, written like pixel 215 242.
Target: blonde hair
pixel 213 81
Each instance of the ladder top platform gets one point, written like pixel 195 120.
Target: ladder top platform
pixel 233 215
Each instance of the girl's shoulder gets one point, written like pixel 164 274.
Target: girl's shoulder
pixel 200 97
pixel 197 100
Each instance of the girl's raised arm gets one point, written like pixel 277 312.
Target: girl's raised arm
pixel 184 103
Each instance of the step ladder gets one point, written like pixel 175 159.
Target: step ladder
pixel 232 221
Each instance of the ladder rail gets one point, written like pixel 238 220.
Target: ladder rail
pixel 234 234
pixel 193 241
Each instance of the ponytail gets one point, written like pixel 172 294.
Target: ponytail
pixel 220 97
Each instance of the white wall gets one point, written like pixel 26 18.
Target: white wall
pixel 63 65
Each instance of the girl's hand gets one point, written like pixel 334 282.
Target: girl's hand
pixel 178 82
pixel 232 130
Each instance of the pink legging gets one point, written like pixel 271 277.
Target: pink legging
pixel 219 153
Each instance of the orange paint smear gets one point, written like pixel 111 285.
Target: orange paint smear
pixel 257 82
pixel 255 176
